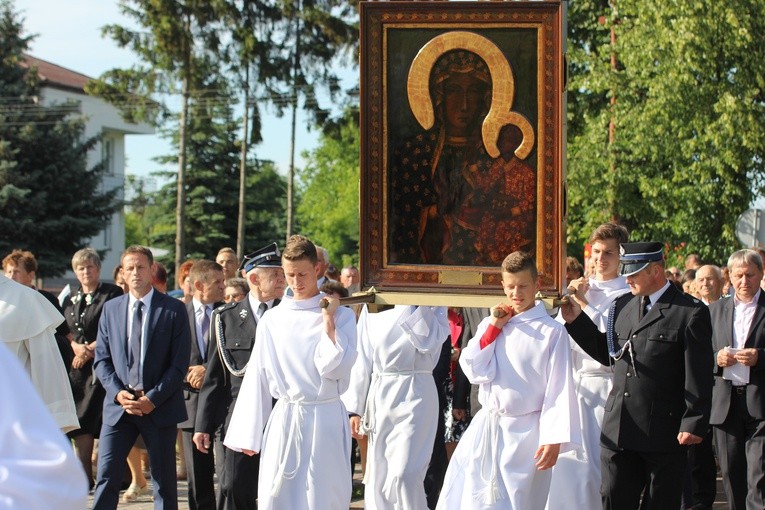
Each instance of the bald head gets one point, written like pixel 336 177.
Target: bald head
pixel 709 282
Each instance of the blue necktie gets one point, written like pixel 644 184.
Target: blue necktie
pixel 134 360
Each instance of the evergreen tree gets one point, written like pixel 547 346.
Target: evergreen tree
pixel 51 203
pixel 212 179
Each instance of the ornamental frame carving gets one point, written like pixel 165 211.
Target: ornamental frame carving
pixel 523 47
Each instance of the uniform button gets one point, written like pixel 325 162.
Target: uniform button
pixel 237 344
pixel 626 393
pixel 634 336
pixel 629 374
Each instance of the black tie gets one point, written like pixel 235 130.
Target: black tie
pixel 262 309
pixel 644 302
pixel 134 362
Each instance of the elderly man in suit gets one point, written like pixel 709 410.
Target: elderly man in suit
pixel 738 401
pixel 142 356
pixel 658 341
pixel 232 340
pixel 207 285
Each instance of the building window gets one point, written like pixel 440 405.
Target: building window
pixel 108 237
pixel 108 155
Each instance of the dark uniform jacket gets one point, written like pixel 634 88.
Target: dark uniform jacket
pixel 671 391
pixel 234 326
pixel 722 319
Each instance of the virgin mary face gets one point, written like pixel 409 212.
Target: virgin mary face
pixel 463 103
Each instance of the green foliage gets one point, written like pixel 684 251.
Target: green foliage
pixel 50 201
pixel 212 180
pixel 329 185
pixel 690 135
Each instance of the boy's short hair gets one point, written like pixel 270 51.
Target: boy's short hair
pixel 300 248
pixel 520 261
pixel 610 231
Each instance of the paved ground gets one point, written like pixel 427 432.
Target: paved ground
pixel 145 501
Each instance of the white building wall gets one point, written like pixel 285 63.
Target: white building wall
pixel 103 119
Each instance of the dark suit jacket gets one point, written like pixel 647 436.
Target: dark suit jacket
pixel 191 395
pixel 671 391
pixel 168 346
pixel 220 388
pixel 722 336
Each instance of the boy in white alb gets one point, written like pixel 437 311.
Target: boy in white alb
pixel 576 477
pixel 522 362
pixel 395 400
pixel 303 357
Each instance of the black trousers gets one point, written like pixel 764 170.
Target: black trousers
pixel 700 487
pixel 626 475
pixel 239 481
pixel 200 469
pixel 741 450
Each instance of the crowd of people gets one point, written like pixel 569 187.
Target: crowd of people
pixel 627 396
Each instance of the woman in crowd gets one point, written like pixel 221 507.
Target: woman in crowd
pixel 236 290
pixel 82 310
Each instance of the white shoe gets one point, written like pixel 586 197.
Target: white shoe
pixel 134 492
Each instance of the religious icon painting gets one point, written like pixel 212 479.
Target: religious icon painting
pixel 462 143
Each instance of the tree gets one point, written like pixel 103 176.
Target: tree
pixel 316 33
pixel 212 198
pixel 258 66
pixel 50 201
pixel 172 34
pixel 690 136
pixel 329 191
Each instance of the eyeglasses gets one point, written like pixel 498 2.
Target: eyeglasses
pixel 233 297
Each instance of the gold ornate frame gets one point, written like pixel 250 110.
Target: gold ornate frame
pixel 400 41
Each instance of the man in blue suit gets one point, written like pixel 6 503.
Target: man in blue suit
pixel 142 356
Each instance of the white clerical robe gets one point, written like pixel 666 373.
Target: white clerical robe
pixel 27 327
pixel 576 477
pixel 305 449
pixel 527 394
pixel 393 389
pixel 38 468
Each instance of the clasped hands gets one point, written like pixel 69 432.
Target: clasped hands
pixel 82 354
pixel 136 406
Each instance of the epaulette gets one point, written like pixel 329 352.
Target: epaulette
pixel 227 306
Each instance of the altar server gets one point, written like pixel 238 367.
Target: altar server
pixel 395 402
pixel 303 357
pixel 522 361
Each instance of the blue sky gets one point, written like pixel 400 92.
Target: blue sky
pixel 69 35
